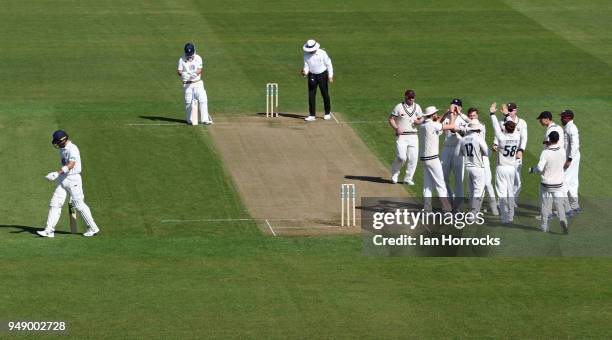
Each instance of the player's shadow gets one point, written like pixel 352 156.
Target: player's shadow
pixel 163 119
pixel 285 115
pixel 26 229
pixel 368 179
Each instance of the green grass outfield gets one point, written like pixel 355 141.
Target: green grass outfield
pixel 91 67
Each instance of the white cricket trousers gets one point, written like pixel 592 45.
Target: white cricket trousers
pixel 548 197
pixel 193 92
pixel 73 185
pixel 489 189
pixel 476 182
pixel 407 150
pixel 433 178
pixel 517 179
pixel 452 160
pixel 504 184
pixel 571 182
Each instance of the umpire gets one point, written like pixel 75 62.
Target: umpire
pixel 318 68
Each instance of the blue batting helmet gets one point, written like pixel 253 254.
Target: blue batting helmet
pixel 189 49
pixel 60 137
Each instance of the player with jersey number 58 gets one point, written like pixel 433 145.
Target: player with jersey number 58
pixel 190 70
pixel 69 181
pixel 508 144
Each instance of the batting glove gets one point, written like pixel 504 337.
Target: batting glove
pixel 52 176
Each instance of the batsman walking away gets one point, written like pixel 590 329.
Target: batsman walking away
pixel 68 179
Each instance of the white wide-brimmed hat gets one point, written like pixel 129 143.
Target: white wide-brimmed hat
pixel 474 125
pixel 430 110
pixel 311 45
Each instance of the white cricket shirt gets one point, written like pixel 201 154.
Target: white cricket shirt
pixel 507 144
pixel 190 66
pixel 452 138
pixel 318 62
pixel 429 139
pixel 572 140
pixel 70 152
pixel 405 116
pixel 550 166
pixel 473 148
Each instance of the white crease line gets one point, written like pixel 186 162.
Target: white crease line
pixel 334 117
pixel 269 226
pixel 227 220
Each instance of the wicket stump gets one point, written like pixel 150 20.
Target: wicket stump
pixel 272 100
pixel 347 201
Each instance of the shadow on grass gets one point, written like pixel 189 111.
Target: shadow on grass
pixel 369 179
pixel 27 229
pixel 163 119
pixel 286 115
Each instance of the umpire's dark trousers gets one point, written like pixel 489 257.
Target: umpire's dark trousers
pixel 321 80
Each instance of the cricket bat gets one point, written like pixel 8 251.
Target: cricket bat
pixel 73 218
pixel 194 112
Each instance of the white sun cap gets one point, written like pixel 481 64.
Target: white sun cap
pixel 430 110
pixel 311 46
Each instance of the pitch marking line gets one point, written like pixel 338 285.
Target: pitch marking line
pixel 269 226
pixel 253 123
pixel 334 117
pixel 228 220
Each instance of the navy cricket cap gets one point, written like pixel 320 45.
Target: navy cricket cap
pixel 59 137
pixel 567 113
pixel 189 49
pixel 545 115
pixel 511 106
pixel 553 137
pixel 409 93
pixel 457 102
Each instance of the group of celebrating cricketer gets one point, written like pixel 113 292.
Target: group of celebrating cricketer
pixel 465 155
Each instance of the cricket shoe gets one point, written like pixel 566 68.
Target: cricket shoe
pixel 394 179
pixel 310 118
pixel 207 122
pixel 91 232
pixel 408 181
pixel 544 229
pixel 46 233
pixel 564 227
pixel 327 116
pixel 573 212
